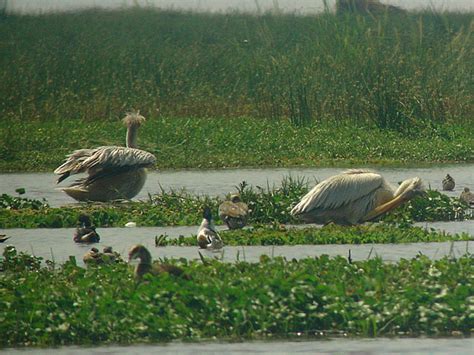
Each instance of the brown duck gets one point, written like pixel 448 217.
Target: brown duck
pixel 146 264
pixel 234 213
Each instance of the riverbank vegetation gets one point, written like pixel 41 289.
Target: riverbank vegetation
pixel 228 90
pixel 268 205
pixel 327 235
pixel 45 304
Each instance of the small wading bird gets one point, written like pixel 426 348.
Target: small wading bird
pixel 467 196
pixel 113 172
pixel 146 265
pixel 353 197
pixel 207 236
pixel 3 238
pixel 234 212
pixel 85 233
pixel 448 183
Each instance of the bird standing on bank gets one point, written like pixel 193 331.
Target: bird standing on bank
pixel 234 213
pixel 354 197
pixel 146 265
pixel 113 172
pixel 467 196
pixel 207 235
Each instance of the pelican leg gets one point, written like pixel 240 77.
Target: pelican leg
pixel 388 206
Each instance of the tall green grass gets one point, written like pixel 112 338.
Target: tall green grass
pixel 403 72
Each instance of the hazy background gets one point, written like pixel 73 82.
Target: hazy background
pixel 299 6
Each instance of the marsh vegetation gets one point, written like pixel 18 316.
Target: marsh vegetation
pixel 47 304
pixel 274 90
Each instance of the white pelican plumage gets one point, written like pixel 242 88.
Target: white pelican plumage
pixel 113 172
pixel 353 197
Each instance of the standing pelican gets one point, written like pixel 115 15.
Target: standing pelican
pixel 207 236
pixel 448 183
pixel 114 172
pixel 234 212
pixel 353 197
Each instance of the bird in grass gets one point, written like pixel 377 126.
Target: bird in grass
pixel 234 213
pixel 448 183
pixel 207 236
pixel 95 257
pixel 3 238
pixel 113 172
pixel 146 264
pixel 467 196
pixel 85 233
pixel 354 197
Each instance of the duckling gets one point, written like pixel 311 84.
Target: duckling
pixel 86 232
pixel 467 196
pixel 109 255
pixel 448 183
pixel 3 238
pixel 146 265
pixel 234 212
pixel 207 236
pixel 92 257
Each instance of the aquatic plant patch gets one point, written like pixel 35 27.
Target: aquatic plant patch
pixel 270 204
pixel 331 234
pixel 58 305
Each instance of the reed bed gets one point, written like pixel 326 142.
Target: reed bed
pixel 397 71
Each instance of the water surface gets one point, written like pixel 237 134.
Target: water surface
pixel 57 244
pixel 332 346
pixel 221 182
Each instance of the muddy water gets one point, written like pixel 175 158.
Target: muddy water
pixel 331 346
pixel 220 182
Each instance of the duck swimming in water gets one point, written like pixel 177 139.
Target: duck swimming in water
pixel 207 235
pixel 85 233
pixel 448 183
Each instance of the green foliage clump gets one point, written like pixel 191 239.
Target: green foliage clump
pixel 330 234
pixel 271 204
pixel 268 299
pixel 18 203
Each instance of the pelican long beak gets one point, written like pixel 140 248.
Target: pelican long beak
pixel 380 210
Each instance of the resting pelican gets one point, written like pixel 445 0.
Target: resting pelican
pixel 234 212
pixel 448 183
pixel 85 233
pixel 353 197
pixel 147 266
pixel 114 172
pixel 207 236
